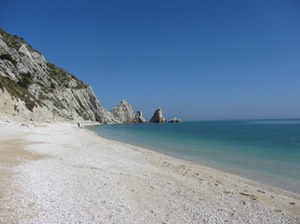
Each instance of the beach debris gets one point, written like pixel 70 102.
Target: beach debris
pixel 253 197
pixel 260 191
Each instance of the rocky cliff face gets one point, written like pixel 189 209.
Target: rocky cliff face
pixel 33 89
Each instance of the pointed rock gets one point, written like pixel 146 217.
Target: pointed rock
pixel 139 117
pixel 158 117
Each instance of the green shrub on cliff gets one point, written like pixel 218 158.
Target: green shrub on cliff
pixel 26 80
pixel 19 92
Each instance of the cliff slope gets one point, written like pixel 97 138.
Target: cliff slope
pixel 33 89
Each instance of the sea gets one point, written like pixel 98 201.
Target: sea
pixel 266 151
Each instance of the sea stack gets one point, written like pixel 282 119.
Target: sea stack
pixel 175 120
pixel 158 117
pixel 123 112
pixel 139 117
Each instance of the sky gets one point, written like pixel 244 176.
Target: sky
pixel 197 60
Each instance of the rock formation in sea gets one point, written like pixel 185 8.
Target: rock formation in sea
pixel 139 117
pixel 158 117
pixel 123 112
pixel 174 120
pixel 33 89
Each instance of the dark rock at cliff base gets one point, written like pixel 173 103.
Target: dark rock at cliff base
pixel 139 117
pixel 158 117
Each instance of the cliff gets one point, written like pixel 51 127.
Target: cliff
pixel 33 89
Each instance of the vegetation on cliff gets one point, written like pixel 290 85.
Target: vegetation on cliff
pixel 45 89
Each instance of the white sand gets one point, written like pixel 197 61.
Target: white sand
pixel 63 174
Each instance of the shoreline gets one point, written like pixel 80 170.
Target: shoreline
pixel 76 176
pixel 264 179
pixel 246 179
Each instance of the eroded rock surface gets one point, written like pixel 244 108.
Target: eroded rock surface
pixel 34 89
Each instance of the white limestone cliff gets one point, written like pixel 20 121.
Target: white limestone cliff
pixel 33 89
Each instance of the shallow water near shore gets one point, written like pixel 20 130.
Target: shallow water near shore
pixel 267 151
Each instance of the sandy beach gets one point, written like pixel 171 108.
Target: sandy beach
pixel 59 173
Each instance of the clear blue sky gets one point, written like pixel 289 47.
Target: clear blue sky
pixel 198 60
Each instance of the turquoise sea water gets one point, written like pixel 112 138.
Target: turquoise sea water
pixel 267 151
